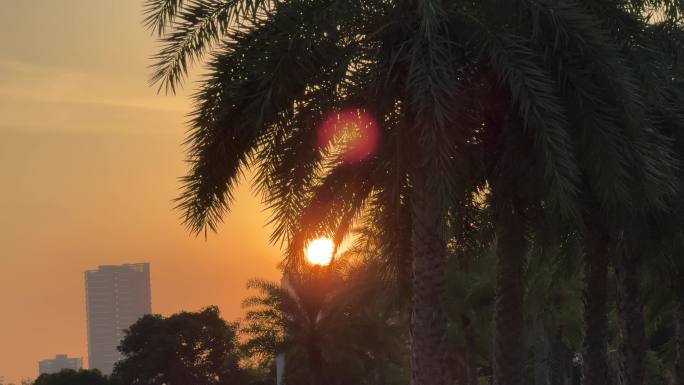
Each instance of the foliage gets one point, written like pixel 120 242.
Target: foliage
pixel 329 327
pixel 471 306
pixel 196 348
pixel 73 377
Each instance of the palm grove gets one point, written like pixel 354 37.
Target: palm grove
pixel 522 204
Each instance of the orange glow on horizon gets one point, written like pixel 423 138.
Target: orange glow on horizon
pixel 320 251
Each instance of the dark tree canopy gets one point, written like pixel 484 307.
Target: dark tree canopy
pixel 72 377
pixel 188 348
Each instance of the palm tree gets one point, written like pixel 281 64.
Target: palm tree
pixel 678 288
pixel 606 226
pixel 461 93
pixel 636 240
pixel 596 267
pixel 328 326
pixel 281 69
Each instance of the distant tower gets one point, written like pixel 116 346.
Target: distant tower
pixel 59 363
pixel 116 297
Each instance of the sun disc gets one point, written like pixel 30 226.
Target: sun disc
pixel 320 251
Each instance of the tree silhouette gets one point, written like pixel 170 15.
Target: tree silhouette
pixel 196 348
pixel 73 377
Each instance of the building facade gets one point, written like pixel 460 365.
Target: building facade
pixel 59 363
pixel 116 297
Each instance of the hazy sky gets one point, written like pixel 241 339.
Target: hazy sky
pixel 89 157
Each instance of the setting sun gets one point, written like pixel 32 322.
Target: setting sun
pixel 320 251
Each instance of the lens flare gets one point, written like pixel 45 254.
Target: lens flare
pixel 320 251
pixel 353 131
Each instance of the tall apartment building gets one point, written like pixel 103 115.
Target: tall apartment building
pixel 59 363
pixel 116 297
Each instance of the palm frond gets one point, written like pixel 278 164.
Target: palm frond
pixel 431 86
pixel 158 14
pixel 290 160
pixel 235 107
pixel 196 26
pixel 616 47
pixel 543 114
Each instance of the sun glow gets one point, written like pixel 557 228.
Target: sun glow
pixel 354 131
pixel 320 251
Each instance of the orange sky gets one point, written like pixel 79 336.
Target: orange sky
pixel 89 156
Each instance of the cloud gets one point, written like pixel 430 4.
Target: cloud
pixel 28 82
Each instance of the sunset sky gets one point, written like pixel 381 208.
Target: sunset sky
pixel 89 160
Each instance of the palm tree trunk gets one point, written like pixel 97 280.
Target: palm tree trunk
pixel 595 355
pixel 317 374
pixel 631 312
pixel 429 350
pixel 678 287
pixel 471 376
pixel 508 330
pixel 541 354
pixel 315 357
pixel 459 370
pixel 559 360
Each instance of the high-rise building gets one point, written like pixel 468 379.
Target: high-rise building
pixel 116 297
pixel 59 363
